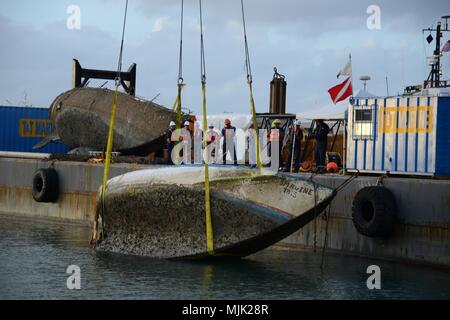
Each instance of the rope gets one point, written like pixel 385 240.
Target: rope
pixel 325 242
pixel 293 148
pixel 180 84
pixel 202 46
pixel 347 182
pixel 95 236
pixel 250 86
pixel 119 67
pixel 180 61
pixel 178 101
pixel 247 52
pixel 209 227
pixel 315 215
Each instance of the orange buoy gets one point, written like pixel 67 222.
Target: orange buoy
pixel 332 167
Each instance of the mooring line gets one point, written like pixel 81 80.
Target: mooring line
pixel 325 242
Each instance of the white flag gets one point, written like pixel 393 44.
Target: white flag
pixel 347 70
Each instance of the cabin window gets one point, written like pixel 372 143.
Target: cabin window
pixel 363 123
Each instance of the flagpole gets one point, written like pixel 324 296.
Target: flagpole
pixel 351 73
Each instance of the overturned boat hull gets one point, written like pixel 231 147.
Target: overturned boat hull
pixel 160 213
pixel 81 119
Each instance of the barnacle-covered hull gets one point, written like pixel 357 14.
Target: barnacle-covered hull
pixel 81 118
pixel 160 213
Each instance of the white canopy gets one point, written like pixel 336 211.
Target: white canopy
pixel 329 112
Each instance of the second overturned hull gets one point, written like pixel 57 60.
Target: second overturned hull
pixel 81 118
pixel 161 213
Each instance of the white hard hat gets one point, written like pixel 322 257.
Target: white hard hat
pixel 187 123
pixel 172 124
pixel 298 123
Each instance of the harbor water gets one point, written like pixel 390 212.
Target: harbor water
pixel 35 255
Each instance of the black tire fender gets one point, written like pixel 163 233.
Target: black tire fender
pixel 374 212
pixel 45 185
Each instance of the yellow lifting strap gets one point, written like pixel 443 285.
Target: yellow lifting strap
pixel 209 227
pixel 95 235
pixel 177 101
pixel 178 104
pixel 110 140
pixel 255 126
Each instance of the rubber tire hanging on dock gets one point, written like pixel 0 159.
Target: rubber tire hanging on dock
pixel 374 212
pixel 45 185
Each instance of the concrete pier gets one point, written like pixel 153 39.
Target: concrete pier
pixel 422 234
pixel 78 184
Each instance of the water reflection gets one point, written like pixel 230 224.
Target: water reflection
pixel 34 256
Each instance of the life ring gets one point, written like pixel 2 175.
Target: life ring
pixel 305 167
pixel 45 185
pixel 332 167
pixel 374 212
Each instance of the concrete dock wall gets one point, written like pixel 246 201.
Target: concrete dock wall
pixel 79 183
pixel 422 234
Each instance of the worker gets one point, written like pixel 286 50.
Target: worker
pixel 213 141
pixel 229 146
pixel 198 144
pixel 186 138
pixel 250 138
pixel 295 147
pixel 276 136
pixel 320 133
pixel 169 141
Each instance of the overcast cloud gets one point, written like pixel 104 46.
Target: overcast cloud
pixel 309 41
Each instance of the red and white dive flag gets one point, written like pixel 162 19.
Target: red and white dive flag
pixel 345 89
pixel 341 91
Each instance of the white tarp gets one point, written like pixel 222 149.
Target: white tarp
pixel 328 112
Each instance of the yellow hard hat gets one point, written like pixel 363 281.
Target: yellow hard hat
pixel 275 122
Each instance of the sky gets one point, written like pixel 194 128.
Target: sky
pixel 308 41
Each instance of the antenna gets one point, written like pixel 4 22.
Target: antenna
pixel 387 86
pixel 25 102
pixel 446 22
pixel 364 79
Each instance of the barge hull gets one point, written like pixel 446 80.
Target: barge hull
pixel 421 236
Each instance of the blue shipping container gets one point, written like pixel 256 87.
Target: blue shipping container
pixel 23 127
pixel 404 135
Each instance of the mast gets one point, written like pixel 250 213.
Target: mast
pixel 434 78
